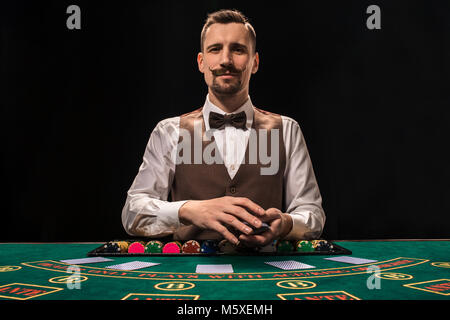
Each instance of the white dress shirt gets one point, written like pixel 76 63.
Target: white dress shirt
pixel 148 213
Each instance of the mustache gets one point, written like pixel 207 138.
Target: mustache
pixel 227 70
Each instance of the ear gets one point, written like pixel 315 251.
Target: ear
pixel 201 66
pixel 255 63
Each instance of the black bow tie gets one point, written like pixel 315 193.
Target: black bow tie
pixel 218 121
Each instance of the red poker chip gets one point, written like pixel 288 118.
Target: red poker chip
pixel 191 246
pixel 136 247
pixel 171 247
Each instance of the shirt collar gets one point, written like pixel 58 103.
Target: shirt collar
pixel 247 107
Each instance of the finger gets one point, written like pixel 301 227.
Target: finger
pixel 272 214
pixel 264 237
pixel 234 222
pixel 273 210
pixel 225 233
pixel 243 215
pixel 249 204
pixel 257 240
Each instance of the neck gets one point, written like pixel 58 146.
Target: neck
pixel 228 103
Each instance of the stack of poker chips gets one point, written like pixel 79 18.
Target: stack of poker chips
pixel 213 247
pixel 136 247
pixel 322 245
pixel 172 247
pixel 209 247
pixel 226 246
pixel 111 247
pixel 284 246
pixel 271 247
pixel 154 246
pixel 304 246
pixel 191 246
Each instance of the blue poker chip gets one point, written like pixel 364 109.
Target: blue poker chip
pixel 209 246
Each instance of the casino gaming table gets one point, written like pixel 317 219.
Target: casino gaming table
pixel 406 270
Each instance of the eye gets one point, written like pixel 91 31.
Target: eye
pixel 214 49
pixel 239 50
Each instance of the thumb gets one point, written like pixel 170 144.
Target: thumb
pixel 272 211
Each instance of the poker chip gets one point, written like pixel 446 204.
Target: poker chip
pixel 136 247
pixel 242 248
pixel 123 245
pixel 172 247
pixel 154 246
pixel 191 246
pixel 324 246
pixel 209 247
pixel 111 247
pixel 226 246
pixel 304 246
pixel 271 247
pixel 284 246
pixel 315 243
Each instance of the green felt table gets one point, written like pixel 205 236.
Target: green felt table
pixel 403 270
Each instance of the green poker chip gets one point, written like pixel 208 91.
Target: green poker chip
pixel 154 246
pixel 304 246
pixel 284 246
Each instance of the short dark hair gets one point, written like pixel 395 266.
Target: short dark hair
pixel 228 16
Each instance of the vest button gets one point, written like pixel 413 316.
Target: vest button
pixel 233 189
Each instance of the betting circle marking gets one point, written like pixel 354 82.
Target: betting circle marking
pixel 441 264
pixel 65 279
pixel 174 286
pixel 393 276
pixel 9 268
pixel 296 284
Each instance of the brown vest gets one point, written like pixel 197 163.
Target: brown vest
pixel 206 181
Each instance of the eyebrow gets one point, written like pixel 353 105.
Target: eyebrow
pixel 233 45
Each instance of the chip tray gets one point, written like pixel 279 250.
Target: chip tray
pixel 336 250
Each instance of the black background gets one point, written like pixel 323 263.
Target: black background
pixel 78 107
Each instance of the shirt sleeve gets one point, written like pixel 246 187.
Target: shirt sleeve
pixel 302 196
pixel 146 211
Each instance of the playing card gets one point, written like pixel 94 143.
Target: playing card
pixel 289 265
pixel 132 265
pixel 214 268
pixel 264 227
pixel 86 260
pixel 351 260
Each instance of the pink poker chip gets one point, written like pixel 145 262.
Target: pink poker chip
pixel 136 247
pixel 171 247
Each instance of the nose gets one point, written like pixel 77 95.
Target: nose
pixel 226 57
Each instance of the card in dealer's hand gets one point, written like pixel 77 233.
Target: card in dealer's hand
pixel 263 228
pixel 289 265
pixel 132 265
pixel 351 260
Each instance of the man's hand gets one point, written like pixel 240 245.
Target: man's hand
pixel 280 225
pixel 216 214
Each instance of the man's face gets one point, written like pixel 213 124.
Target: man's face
pixel 227 60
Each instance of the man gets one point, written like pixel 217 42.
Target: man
pixel 229 197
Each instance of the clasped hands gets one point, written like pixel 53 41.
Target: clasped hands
pixel 220 214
